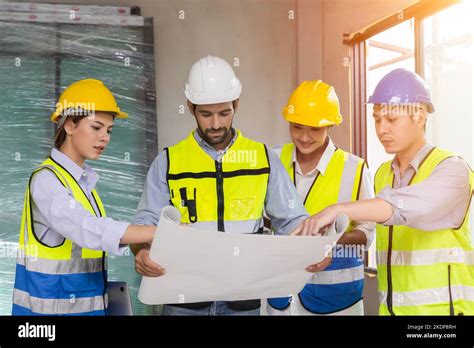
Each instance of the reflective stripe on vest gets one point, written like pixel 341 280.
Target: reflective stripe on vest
pixel 341 284
pixel 340 183
pixel 430 296
pixel 424 272
pixel 45 274
pixel 228 195
pixel 427 257
pixel 35 305
pixel 344 275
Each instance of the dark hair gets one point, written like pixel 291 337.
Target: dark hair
pixel 233 105
pixel 61 134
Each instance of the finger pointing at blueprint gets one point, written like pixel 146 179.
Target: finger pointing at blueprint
pixel 203 265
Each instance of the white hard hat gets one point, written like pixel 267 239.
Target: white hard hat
pixel 211 81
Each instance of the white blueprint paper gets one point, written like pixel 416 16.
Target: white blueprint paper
pixel 204 265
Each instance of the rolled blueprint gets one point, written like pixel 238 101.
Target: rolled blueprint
pixel 339 225
pixel 209 265
pixel 171 213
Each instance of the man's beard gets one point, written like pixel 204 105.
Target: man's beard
pixel 212 140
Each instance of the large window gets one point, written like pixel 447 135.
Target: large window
pixel 437 43
pixel 391 49
pixel 447 66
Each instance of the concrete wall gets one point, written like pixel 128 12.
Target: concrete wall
pixel 261 34
pixel 309 40
pixel 275 54
pixel 257 33
pixel 346 16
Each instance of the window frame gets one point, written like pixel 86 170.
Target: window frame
pixel 357 42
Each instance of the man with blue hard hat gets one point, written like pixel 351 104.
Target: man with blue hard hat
pixel 424 249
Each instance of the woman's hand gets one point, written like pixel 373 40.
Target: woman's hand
pixel 320 266
pixel 137 234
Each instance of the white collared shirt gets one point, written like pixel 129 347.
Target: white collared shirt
pixel 57 215
pixel 304 182
pixel 438 202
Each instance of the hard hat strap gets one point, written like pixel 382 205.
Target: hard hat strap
pixel 62 120
pixel 75 113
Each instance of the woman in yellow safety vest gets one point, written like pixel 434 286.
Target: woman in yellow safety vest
pixel 323 175
pixel 65 234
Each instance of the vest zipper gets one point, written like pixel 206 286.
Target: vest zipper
pixel 389 272
pixel 220 196
pixel 451 305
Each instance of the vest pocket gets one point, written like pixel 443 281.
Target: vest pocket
pixel 243 208
pixel 77 283
pixel 185 200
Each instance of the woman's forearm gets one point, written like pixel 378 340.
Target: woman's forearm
pixel 138 234
pixel 354 237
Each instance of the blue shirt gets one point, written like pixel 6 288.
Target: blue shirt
pixel 282 203
pixel 57 215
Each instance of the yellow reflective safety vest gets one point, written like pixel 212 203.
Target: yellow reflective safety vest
pixel 64 279
pixel 223 195
pixel 227 195
pixel 424 272
pixel 340 183
pixel 341 284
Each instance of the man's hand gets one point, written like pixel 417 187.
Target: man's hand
pixel 297 230
pixel 144 265
pixel 320 266
pixel 315 225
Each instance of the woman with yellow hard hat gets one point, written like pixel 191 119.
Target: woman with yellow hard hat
pixel 65 234
pixel 323 175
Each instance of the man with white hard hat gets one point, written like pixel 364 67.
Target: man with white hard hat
pixel 212 184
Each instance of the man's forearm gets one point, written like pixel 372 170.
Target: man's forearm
pixel 376 210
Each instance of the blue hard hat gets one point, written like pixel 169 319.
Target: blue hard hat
pixel 401 86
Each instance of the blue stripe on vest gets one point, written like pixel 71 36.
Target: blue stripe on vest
pixel 19 310
pixel 343 263
pixel 59 286
pixel 279 303
pixel 327 298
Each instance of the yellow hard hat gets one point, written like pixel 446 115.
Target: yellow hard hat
pixel 314 104
pixel 86 95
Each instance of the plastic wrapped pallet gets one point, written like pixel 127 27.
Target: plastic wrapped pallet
pixel 43 49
